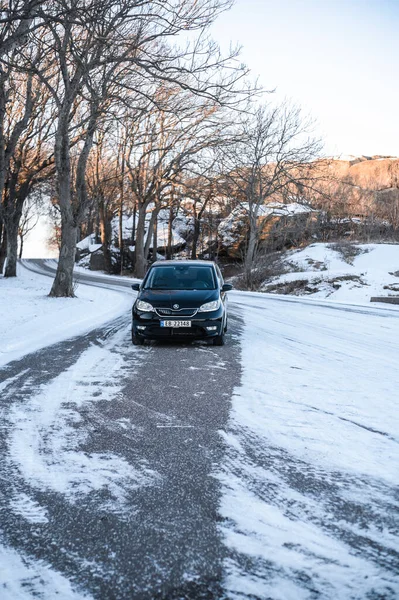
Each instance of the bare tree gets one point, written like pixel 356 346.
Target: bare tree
pixel 27 130
pixel 18 18
pixel 92 42
pixel 201 189
pixel 103 183
pixel 274 155
pixel 163 152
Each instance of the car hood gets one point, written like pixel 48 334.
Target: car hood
pixel 184 298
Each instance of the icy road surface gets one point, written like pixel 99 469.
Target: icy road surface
pixel 266 469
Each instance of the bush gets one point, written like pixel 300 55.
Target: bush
pixel 347 250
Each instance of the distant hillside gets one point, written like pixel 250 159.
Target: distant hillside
pixel 369 172
pixel 366 181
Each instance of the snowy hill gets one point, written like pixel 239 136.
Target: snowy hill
pixel 342 272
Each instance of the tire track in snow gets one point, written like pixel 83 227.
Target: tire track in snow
pixel 304 531
pixel 46 467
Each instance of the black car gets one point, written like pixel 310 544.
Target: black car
pixel 181 299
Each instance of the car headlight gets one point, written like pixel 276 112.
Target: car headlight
pixel 209 306
pixel 144 306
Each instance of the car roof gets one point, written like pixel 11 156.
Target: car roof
pixel 194 263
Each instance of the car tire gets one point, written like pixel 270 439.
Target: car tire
pixel 219 340
pixel 136 340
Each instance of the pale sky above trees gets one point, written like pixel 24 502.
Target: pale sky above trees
pixel 337 58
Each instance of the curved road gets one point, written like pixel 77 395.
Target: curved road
pixel 171 403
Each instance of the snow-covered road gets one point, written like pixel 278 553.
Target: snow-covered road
pixel 310 478
pixel 265 469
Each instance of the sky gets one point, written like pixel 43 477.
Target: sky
pixel 36 243
pixel 337 59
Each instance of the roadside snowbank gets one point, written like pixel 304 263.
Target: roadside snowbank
pixel 31 320
pixel 341 272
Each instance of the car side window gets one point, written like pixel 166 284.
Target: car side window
pixel 219 274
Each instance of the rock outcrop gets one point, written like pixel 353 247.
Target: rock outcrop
pixel 367 181
pixel 368 172
pixel 279 225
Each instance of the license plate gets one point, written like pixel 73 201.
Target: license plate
pixel 175 323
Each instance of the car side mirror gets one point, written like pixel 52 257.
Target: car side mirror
pixel 226 287
pixel 136 287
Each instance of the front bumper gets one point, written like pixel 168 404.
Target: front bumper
pixel 203 325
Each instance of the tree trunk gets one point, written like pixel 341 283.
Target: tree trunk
pixel 197 226
pixel 196 234
pixel 155 240
pixel 170 233
pixel 147 245
pixel 133 255
pixel 121 212
pixel 251 251
pixel 3 103
pixel 134 224
pixel 140 260
pixel 21 246
pixel 3 246
pixel 104 235
pixel 121 235
pixel 12 248
pixel 70 215
pixel 63 283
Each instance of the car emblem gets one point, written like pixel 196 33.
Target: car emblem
pixel 176 306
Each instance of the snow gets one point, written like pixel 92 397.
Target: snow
pixel 46 440
pixel 88 244
pixel 309 480
pixel 34 321
pixel 230 227
pixel 24 578
pixel 366 274
pixel 28 508
pixel 273 208
pixel 308 496
pixel 361 157
pixel 48 450
pixel 180 226
pixel 348 157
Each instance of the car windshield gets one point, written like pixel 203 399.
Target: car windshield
pixel 181 277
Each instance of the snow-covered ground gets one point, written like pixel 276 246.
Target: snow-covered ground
pixel 44 437
pixel 336 272
pixel 46 450
pixel 182 228
pixel 31 320
pixel 181 225
pixel 310 476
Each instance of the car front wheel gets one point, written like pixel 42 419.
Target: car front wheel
pixel 218 340
pixel 136 340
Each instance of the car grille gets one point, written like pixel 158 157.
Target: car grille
pixel 166 332
pixel 182 312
